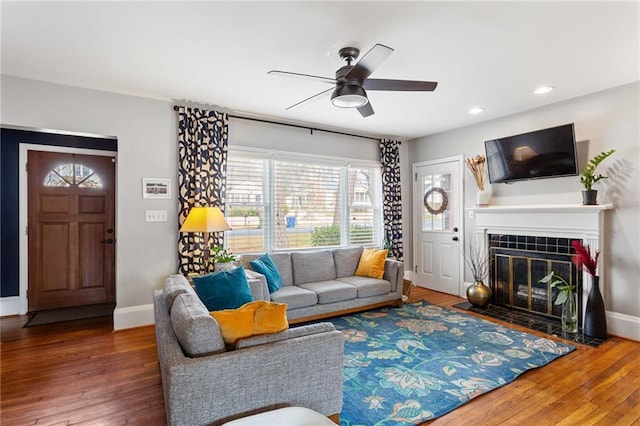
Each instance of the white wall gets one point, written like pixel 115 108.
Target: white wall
pixel 147 147
pixel 604 120
pixel 253 134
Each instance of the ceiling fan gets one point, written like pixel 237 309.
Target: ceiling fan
pixel 352 80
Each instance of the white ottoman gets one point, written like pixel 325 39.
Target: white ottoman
pixel 288 416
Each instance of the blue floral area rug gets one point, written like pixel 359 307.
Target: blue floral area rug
pixel 407 365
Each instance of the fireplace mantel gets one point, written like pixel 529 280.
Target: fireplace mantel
pixel 573 221
pixel 558 220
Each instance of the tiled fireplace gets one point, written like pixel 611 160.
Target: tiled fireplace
pixel 527 241
pixel 518 264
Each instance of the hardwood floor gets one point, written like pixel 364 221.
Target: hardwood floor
pixel 83 373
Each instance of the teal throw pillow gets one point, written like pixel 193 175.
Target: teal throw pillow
pixel 223 290
pixel 265 266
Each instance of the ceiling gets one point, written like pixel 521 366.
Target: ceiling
pixel 487 54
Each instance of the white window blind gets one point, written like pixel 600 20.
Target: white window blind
pixel 297 202
pixel 246 206
pixel 364 205
pixel 307 204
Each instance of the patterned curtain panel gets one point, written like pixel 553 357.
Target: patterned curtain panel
pixel 202 167
pixel 391 195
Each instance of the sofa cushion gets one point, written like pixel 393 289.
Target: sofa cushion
pixel 173 286
pixel 371 263
pixel 265 266
pixel 251 319
pixel 282 262
pixel 295 297
pixel 223 290
pixel 368 287
pixel 331 291
pixel 196 330
pixel 346 260
pixel 313 266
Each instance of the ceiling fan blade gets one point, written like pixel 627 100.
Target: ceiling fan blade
pixel 399 85
pixel 366 110
pixel 312 98
pixel 369 62
pixel 306 76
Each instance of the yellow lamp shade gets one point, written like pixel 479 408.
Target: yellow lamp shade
pixel 205 219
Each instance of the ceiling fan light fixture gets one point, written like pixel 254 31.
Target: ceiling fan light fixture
pixel 349 96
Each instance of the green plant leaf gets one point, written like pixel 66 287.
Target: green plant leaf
pixel 562 297
pixel 588 178
pixel 547 278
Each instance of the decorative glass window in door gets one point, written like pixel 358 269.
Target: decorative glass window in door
pixel 72 174
pixel 436 190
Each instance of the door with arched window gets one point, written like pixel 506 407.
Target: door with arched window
pixel 71 234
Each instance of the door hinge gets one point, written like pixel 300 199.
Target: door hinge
pixel 26 230
pixel 26 167
pixel 416 177
pixel 416 269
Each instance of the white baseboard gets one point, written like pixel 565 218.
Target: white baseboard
pixel 9 306
pixel 625 326
pixel 133 316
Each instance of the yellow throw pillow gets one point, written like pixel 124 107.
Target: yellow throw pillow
pixel 253 318
pixel 372 263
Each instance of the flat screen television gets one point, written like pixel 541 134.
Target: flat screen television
pixel 540 154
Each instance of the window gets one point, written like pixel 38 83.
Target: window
pixel 292 202
pixel 437 209
pixel 73 175
pixel 245 209
pixel 364 206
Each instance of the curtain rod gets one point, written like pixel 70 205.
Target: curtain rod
pixel 175 108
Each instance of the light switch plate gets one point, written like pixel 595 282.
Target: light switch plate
pixel 156 215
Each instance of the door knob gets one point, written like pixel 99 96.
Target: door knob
pixel 108 241
pixel 455 229
pixel 455 238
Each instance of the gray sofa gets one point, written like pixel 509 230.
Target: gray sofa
pixel 204 382
pixel 322 283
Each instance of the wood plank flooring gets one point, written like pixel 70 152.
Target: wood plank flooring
pixel 83 373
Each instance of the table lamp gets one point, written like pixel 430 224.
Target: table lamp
pixel 205 220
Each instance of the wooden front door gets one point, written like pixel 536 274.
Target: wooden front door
pixel 71 232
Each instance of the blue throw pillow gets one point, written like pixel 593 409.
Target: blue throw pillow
pixel 265 266
pixel 223 290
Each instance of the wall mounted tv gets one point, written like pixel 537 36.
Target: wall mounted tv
pixel 535 155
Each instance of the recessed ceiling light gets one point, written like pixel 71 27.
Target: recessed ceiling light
pixel 476 110
pixel 543 89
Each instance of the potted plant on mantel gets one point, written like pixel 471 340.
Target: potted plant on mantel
pixel 588 178
pixel 477 167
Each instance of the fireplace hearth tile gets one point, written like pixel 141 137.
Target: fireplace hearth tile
pixel 531 321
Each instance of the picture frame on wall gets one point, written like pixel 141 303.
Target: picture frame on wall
pixel 156 188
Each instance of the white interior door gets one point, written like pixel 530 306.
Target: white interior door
pixel 438 224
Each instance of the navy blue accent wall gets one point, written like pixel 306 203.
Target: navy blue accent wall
pixel 9 193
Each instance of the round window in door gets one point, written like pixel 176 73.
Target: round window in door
pixel 75 174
